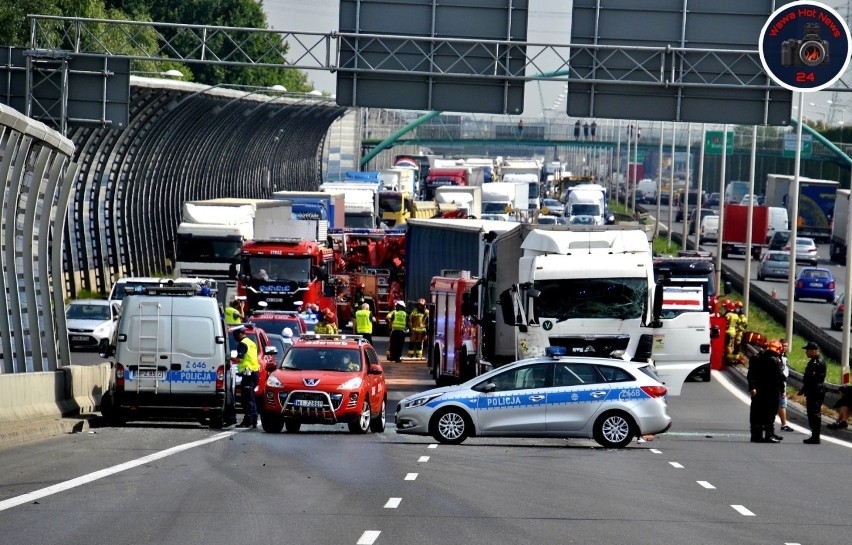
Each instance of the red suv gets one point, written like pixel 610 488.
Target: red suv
pixel 327 379
pixel 265 357
pixel 274 322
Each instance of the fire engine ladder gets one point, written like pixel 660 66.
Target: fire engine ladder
pixel 147 374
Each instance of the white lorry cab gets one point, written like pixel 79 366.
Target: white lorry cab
pixel 592 291
pixel 169 358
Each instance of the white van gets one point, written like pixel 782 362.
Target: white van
pixel 170 358
pixel 709 229
pixel 777 220
pixel 646 191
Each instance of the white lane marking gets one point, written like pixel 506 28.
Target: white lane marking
pixel 410 476
pixel 85 479
pixel 655 451
pixel 792 544
pixel 676 465
pixel 423 459
pixel 706 485
pixel 724 381
pixel 369 537
pixel 393 503
pixel 433 445
pixel 743 511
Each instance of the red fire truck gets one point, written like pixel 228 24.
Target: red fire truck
pixel 453 338
pixel 286 273
pixel 369 267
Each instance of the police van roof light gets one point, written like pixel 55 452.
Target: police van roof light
pixel 555 351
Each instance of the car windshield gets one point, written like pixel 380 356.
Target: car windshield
pixel 277 325
pixel 279 269
pixel 314 358
pixel 620 298
pixel 804 242
pixel 87 312
pixel 785 257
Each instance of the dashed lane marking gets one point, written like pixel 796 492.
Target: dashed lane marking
pixel 676 465
pixel 743 511
pixel 423 459
pixel 706 485
pixel 393 503
pixel 369 537
pixel 411 477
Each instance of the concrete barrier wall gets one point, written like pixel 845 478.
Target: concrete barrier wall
pixel 72 390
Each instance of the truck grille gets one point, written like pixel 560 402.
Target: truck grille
pixel 597 347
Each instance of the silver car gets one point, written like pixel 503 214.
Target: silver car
pixel 774 264
pixel 608 400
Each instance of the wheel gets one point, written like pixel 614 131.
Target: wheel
pixel 362 425
pixel 217 421
pixel 272 423
pixel 835 326
pixel 760 276
pixel 292 426
pixel 614 430
pixel 796 298
pixel 377 424
pixel 112 415
pixel 724 255
pixel 450 426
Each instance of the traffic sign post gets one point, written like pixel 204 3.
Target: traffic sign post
pixel 806 147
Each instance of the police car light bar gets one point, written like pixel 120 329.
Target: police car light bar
pixel 555 351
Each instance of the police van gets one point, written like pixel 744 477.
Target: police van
pixel 169 358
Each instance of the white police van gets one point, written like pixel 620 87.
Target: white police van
pixel 170 358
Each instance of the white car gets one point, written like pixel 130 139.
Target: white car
pixel 90 323
pixel 608 400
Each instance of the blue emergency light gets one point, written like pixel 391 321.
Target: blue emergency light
pixel 555 351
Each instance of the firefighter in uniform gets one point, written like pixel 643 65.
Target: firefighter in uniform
pixel 417 321
pixel 766 381
pixel 326 324
pixel 234 313
pixel 248 367
pixel 742 325
pixel 730 331
pixel 364 321
pixel 397 321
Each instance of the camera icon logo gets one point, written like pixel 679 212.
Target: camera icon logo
pixel 811 50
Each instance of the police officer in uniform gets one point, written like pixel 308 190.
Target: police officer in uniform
pixel 765 383
pixel 813 388
pixel 248 367
pixel 364 321
pixel 234 313
pixel 398 321
pixel 417 321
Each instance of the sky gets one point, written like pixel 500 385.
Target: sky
pixel 549 22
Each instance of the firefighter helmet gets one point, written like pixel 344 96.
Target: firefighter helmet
pixel 728 305
pixel 775 346
pixel 739 305
pixel 421 302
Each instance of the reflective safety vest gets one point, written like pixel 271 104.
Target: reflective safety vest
pixel 418 320
pixel 400 320
pixel 232 316
pixel 325 328
pixel 363 323
pixel 249 361
pixel 732 323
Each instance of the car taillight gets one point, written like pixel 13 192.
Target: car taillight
pixel 800 284
pixel 831 285
pixel 655 391
pixel 119 376
pixel 220 378
pixel 840 308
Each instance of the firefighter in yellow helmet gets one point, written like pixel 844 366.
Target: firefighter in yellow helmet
pixel 733 318
pixel 742 323
pixel 326 325
pixel 417 321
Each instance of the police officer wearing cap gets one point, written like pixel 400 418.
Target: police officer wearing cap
pixel 248 367
pixel 813 388
pixel 766 381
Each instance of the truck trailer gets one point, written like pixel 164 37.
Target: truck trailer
pixel 816 203
pixel 839 226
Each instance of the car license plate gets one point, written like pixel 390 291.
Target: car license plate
pixel 274 300
pixel 307 403
pixel 151 374
pixel 81 338
pixel 816 285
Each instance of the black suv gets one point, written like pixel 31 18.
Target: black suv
pixel 779 240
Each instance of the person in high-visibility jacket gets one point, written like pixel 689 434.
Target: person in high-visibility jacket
pixel 732 318
pixel 327 323
pixel 364 321
pixel 248 367
pixel 398 322
pixel 234 313
pixel 417 321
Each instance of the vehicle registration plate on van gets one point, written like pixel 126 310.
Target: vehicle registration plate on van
pixel 151 374
pixel 307 402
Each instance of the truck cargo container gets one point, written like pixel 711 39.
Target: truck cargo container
pixel 839 226
pixel 816 203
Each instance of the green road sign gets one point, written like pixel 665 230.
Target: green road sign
pixel 790 145
pixel 713 143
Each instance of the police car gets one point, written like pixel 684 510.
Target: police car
pixel 608 400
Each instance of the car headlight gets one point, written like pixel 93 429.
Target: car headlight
pixel 273 381
pixel 103 330
pixel 420 401
pixel 351 384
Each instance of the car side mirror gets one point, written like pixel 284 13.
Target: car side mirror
pixel 270 350
pixel 270 367
pixel 375 370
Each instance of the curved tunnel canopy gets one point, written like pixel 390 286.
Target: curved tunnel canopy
pixel 183 142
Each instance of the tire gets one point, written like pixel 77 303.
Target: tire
pixel 451 426
pixel 377 424
pixel 467 370
pixel 217 421
pixel 272 423
pixel 292 426
pixel 362 425
pixel 760 277
pixel 614 429
pixel 113 416
pixel 796 298
pixel 835 327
